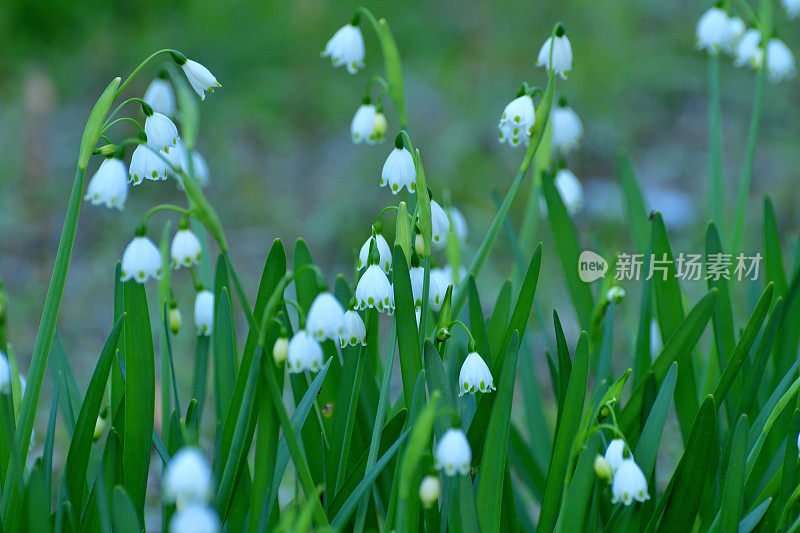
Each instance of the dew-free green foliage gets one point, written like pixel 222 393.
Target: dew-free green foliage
pixel 344 445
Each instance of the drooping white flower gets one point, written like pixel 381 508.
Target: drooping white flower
pixel 474 376
pixel 109 185
pixel 562 54
pixel 160 96
pixel 453 454
pixel 570 190
pixel 362 128
pixel 346 47
pixel 200 78
pixel 714 31
pixel 384 253
pixel 453 277
pixel 615 294
pixel 374 290
pixel 5 372
pixel 204 312
pixel 399 171
pixel 516 123
pixel 187 478
pixel 459 223
pixel 141 260
pixel 440 225
pixel 567 128
pixel 162 134
pixel 185 249
pixel 177 157
pixel 780 61
pixel 280 350
pixel 417 275
pixel 440 281
pixel 194 518
pixel 748 51
pixel 304 353
pixel 629 483
pixel 615 453
pixel 354 330
pixel 429 490
pixel 147 163
pixel 325 318
pixel 792 7
pixel 736 29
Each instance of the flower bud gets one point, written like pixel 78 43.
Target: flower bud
pixel 99 428
pixel 429 490
pixel 419 244
pixel 279 350
pixel 174 318
pixel 603 469
pixel 379 126
pixel 402 232
pixel 108 150
pixel 615 294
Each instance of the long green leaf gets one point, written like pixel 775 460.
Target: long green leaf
pixel 635 206
pixel 407 332
pixel 648 444
pixel 733 494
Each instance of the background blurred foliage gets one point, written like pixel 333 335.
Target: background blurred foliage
pixel 276 135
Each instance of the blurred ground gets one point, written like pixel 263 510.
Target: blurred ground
pixel 276 135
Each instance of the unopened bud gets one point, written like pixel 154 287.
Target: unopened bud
pixel 615 294
pixel 279 350
pixel 175 319
pixel 100 425
pixel 603 469
pixel 429 490
pixel 419 244
pixel 108 149
pixel 379 126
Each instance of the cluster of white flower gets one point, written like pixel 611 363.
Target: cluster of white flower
pixel 159 153
pixel 519 118
pixel 717 32
pixel 627 479
pixel 187 483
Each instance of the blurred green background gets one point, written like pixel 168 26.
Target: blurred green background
pixel 276 135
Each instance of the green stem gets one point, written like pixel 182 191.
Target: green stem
pixel 140 67
pixel 44 340
pixel 494 229
pixel 164 207
pixel 747 168
pixel 123 119
pixel 716 185
pixel 120 106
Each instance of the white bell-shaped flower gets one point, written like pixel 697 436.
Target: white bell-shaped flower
pixel 162 134
pixel 780 61
pixel 417 276
pixel 384 253
pixel 736 30
pixel 185 249
pixel 570 190
pixel 160 96
pixel 429 490
pixel 346 47
pixel 792 7
pixel 362 128
pixel 141 260
pixel 454 277
pixel 399 171
pixel 748 51
pixel 354 330
pixel 615 453
pixel 204 312
pixel 200 78
pixel 474 376
pixel 561 54
pixel 177 157
pixel 109 185
pixel 374 290
pixel 567 128
pixel 440 281
pixel 453 454
pixel 440 225
pixel 147 163
pixel 629 483
pixel 5 372
pixel 194 518
pixel 187 478
pixel 516 123
pixel 459 223
pixel 304 353
pixel 325 318
pixel 714 31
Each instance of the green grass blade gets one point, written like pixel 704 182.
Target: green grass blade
pixel 773 256
pixel 579 492
pixel 567 430
pixel 498 322
pixel 477 322
pixel 125 516
pixel 80 447
pixel 648 444
pixel 407 332
pixel 492 468
pixel 139 394
pixel 635 206
pixel 733 493
pixel 224 355
pixel 723 314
